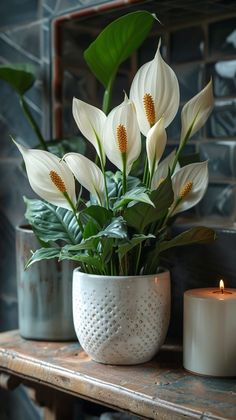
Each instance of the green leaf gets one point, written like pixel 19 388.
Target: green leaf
pixel 141 215
pixel 116 229
pixel 192 236
pixel 135 195
pixel 43 254
pixel 134 241
pixel 116 43
pixel 19 77
pixel 91 260
pixel 91 229
pixel 100 214
pixel 51 223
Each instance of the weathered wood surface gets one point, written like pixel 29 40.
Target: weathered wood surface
pixel 160 389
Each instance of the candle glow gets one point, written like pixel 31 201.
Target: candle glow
pixel 222 286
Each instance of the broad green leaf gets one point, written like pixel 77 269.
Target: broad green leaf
pixel 134 241
pixel 19 77
pixel 51 223
pixel 43 254
pixel 115 184
pixel 91 229
pixel 100 214
pixel 87 244
pixel 192 236
pixel 141 215
pixel 136 195
pixel 116 230
pixel 91 260
pixel 116 43
pixel 107 249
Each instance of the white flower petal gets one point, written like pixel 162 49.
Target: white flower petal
pixel 159 80
pixel 90 121
pixel 124 115
pixel 197 173
pixel 163 169
pixel 155 144
pixel 39 164
pixel 196 111
pixel 87 173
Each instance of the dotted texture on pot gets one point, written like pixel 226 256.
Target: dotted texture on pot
pixel 121 320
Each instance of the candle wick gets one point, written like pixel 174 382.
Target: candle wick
pixel 222 291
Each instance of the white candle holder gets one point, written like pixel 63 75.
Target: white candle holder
pixel 210 332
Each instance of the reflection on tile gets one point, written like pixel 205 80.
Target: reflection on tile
pixel 8 149
pixel 222 122
pixel 147 50
pixel 14 184
pixel 193 48
pixel 222 37
pixel 8 311
pixel 13 114
pixel 15 13
pixel 234 162
pixel 22 45
pixel 224 77
pixel 190 77
pixel 174 129
pixel 82 85
pixel 48 7
pixel 64 5
pixel 219 201
pixel 7 261
pixel 219 155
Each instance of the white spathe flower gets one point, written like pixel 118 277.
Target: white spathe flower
pixel 155 93
pixel 122 137
pixel 49 177
pixel 190 183
pixel 90 121
pixel 163 169
pixel 196 111
pixel 155 144
pixel 87 173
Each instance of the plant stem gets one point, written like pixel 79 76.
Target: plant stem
pixel 74 211
pixel 138 259
pixel 145 173
pixel 107 96
pixel 105 184
pixel 33 123
pixel 124 184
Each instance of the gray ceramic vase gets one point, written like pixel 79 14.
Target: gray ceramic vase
pixel 44 293
pixel 121 320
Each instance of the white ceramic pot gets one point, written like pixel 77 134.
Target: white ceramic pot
pixel 121 320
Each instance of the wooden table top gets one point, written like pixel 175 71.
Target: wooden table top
pixel 159 389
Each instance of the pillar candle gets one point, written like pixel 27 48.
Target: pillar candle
pixel 210 331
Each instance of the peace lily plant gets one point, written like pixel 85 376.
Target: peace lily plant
pixel 124 226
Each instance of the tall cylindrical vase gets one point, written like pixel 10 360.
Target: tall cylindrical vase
pixel 44 293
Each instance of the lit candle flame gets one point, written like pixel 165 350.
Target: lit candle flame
pixel 222 286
